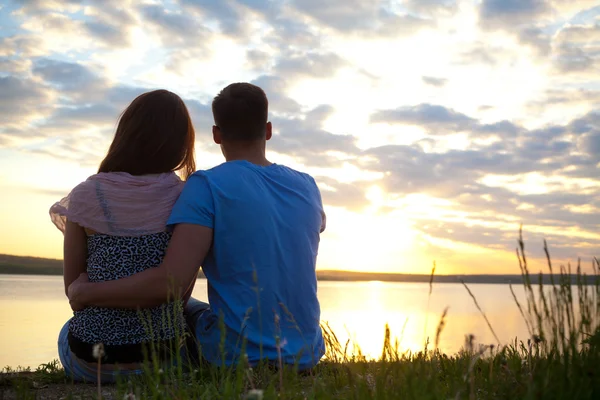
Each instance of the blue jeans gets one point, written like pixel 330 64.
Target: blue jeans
pixel 193 311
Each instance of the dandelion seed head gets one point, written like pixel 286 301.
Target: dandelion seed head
pixel 98 351
pixel 254 394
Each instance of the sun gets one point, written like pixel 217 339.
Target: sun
pixel 370 240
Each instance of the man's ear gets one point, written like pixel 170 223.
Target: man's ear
pixel 216 134
pixel 269 131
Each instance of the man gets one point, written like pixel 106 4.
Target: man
pixel 254 227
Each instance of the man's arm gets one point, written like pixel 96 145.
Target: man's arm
pixel 187 249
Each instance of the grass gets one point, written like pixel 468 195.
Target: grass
pixel 560 360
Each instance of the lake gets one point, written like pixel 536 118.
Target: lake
pixel 34 308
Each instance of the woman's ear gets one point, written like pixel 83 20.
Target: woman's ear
pixel 216 131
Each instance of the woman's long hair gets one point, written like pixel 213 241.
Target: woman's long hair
pixel 154 135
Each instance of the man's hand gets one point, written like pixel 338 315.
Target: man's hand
pixel 74 292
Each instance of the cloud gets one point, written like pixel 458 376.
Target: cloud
pixel 547 151
pixel 365 17
pixel 288 32
pixel 395 25
pixel 257 59
pixel 304 139
pixel 175 28
pixel 580 33
pixel 14 66
pixel 537 39
pixel 88 115
pixel 40 6
pixel 21 45
pixel 431 6
pixel 225 13
pixel 439 120
pixel 501 128
pixel 590 144
pixel 310 64
pixel 587 130
pixel 436 119
pixel 66 76
pixel 202 119
pixel 22 101
pixel 437 82
pixel 506 14
pixel 279 102
pixel 55 29
pixel 110 24
pixel 350 196
pixel 577 49
pixel 344 16
pixel 572 96
pixel 463 179
pixel 481 53
pixel 572 59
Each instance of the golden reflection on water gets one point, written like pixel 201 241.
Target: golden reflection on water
pixel 33 309
pixel 359 311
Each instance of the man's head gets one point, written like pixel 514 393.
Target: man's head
pixel 240 112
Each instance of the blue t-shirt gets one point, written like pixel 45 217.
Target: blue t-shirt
pixel 261 273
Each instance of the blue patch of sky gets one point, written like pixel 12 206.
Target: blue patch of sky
pixel 9 23
pixel 585 17
pixel 588 16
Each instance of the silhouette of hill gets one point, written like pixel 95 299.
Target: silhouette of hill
pixel 30 265
pixel 46 266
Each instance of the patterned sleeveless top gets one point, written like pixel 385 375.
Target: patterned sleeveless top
pixel 115 257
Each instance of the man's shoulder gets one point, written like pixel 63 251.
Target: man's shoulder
pixel 299 174
pixel 204 174
pixel 226 169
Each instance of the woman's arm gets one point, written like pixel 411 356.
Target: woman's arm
pixel 75 253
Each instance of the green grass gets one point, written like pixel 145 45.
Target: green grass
pixel 560 360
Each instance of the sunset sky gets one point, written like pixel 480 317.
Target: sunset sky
pixel 433 127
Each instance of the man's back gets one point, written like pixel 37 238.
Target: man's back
pixel 261 270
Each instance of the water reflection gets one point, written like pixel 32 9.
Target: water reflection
pixel 359 311
pixel 33 308
pixel 32 311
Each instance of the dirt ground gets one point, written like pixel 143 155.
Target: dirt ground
pixel 28 385
pixel 57 391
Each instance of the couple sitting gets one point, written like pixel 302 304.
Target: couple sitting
pixel 135 237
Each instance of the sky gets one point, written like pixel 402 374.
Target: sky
pixel 434 128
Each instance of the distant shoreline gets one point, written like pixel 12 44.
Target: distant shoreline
pixel 15 265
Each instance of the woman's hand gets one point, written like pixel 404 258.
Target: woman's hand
pixel 75 290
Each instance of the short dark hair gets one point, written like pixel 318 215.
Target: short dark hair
pixel 154 135
pixel 241 111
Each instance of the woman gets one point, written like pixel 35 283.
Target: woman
pixel 114 225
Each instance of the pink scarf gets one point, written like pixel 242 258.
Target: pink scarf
pixel 120 204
